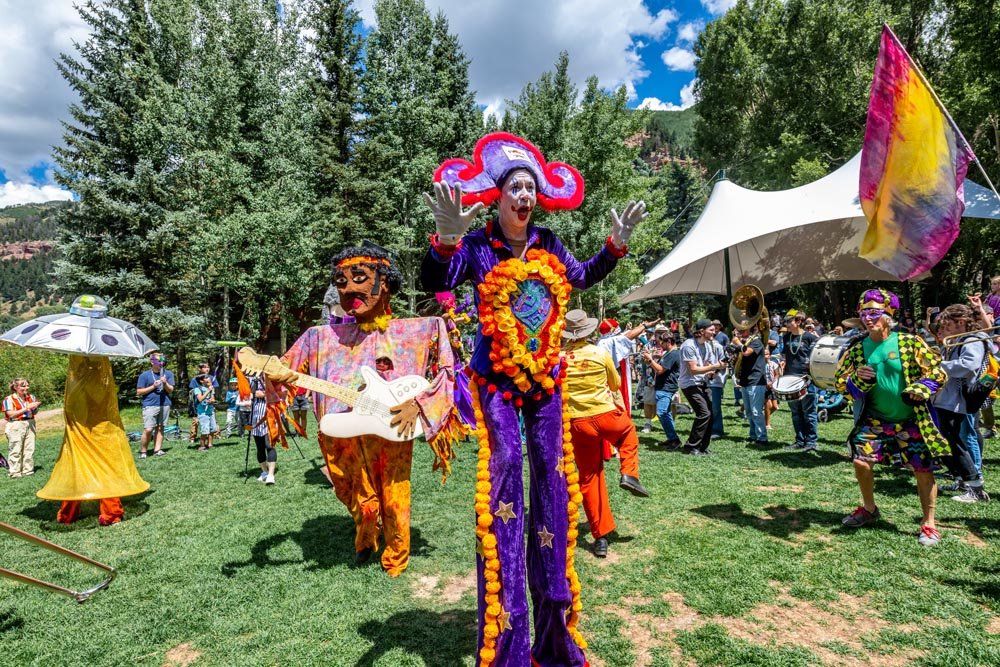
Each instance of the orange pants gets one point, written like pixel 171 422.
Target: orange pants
pixel 589 437
pixel 371 476
pixel 112 511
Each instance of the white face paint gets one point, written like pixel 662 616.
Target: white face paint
pixel 517 200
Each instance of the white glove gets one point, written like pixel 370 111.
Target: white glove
pixel 451 221
pixel 623 226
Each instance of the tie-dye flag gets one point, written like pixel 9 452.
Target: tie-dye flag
pixel 913 164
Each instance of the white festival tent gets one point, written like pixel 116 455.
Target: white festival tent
pixel 778 239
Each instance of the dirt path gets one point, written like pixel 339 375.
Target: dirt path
pixel 44 421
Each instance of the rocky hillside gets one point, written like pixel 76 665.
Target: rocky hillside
pixel 27 253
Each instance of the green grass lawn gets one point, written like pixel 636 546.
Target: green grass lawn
pixel 737 559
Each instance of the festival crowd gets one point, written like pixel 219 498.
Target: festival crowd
pixel 560 387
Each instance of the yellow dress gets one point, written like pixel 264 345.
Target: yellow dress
pixel 95 460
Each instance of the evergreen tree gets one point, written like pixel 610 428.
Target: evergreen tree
pixel 122 151
pixel 416 112
pixel 335 77
pixel 544 108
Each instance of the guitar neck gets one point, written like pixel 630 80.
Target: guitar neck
pixel 342 394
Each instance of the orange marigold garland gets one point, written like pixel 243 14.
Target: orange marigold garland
pixel 575 499
pixel 524 355
pixel 484 520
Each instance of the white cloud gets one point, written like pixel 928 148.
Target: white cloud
pixel 33 96
pixel 25 193
pixel 688 32
pixel 688 97
pixel 656 104
pixel 687 100
pixel 718 7
pixel 679 59
pixel 602 38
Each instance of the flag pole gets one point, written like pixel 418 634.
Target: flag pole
pixel 944 110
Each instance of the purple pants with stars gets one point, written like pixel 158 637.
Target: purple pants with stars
pixel 546 555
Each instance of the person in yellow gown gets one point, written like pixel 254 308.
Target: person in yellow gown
pixel 95 462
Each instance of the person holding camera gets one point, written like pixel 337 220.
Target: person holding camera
pixel 700 361
pixel 20 408
pixel 667 368
pixel 154 388
pixel 204 397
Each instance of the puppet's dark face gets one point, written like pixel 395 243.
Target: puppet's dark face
pixel 363 293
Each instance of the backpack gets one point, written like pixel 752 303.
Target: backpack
pixel 192 404
pixel 984 387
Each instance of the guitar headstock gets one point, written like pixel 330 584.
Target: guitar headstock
pixel 258 364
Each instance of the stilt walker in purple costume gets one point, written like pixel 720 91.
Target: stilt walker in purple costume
pixel 523 277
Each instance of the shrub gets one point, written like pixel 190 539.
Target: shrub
pixel 46 371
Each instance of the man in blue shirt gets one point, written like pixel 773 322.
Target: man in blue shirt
pixel 154 388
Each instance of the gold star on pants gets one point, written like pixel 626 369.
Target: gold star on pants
pixel 506 512
pixel 545 537
pixel 503 620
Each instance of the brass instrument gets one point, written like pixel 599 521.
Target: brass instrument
pixel 747 311
pixel 948 342
pixel 79 596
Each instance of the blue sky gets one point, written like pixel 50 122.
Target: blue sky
pixel 666 79
pixel 642 44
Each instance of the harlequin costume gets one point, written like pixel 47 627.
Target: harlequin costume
pixel 371 475
pixel 922 375
pixel 515 368
pixel 893 423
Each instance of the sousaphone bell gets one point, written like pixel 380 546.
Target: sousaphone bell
pixel 747 310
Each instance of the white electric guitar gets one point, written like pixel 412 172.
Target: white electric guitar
pixel 369 413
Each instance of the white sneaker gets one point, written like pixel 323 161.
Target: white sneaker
pixel 973 495
pixel 269 480
pixel 648 428
pixel 263 476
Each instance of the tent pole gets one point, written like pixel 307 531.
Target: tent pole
pixel 729 277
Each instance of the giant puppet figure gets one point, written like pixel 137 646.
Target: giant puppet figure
pixel 95 462
pixel 371 474
pixel 523 276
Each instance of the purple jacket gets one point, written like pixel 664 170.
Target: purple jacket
pixel 477 257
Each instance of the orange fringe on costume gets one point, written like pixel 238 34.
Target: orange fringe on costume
pixel 446 441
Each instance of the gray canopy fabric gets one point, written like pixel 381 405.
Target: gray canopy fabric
pixel 91 333
pixel 778 239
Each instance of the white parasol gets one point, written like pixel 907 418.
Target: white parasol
pixel 86 329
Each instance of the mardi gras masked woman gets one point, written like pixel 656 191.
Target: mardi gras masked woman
pixel 523 277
